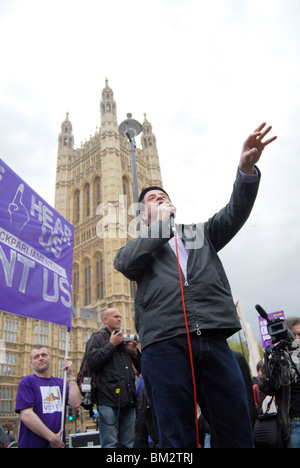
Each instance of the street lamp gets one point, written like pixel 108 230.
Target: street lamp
pixel 130 128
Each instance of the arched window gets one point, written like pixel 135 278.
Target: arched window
pixel 133 289
pixel 75 285
pixel 99 278
pixel 96 193
pixel 87 283
pixel 76 207
pixel 86 200
pixel 126 191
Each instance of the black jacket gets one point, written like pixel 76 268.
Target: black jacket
pixel 150 261
pixel 115 369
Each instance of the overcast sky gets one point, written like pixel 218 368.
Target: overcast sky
pixel 206 73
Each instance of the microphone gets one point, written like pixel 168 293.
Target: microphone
pixel 262 312
pixel 172 223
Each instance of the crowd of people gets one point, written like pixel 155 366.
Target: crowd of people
pixel 196 391
pixel 126 415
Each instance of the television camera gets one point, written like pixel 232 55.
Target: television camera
pixel 282 357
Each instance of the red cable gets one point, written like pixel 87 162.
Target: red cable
pixel 189 343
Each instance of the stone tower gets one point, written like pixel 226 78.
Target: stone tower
pixel 94 191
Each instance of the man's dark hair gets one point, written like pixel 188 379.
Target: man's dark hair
pixel 148 189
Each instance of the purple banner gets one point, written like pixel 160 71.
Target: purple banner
pixel 263 326
pixel 36 254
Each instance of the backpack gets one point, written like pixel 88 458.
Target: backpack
pixel 87 380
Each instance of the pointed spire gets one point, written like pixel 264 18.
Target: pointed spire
pixel 148 138
pixel 147 127
pixel 108 105
pixel 66 138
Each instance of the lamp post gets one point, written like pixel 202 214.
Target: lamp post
pixel 130 128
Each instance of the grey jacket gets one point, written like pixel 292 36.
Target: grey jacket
pixel 150 261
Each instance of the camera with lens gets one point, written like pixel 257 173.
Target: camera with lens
pixel 132 337
pixel 277 328
pixel 129 337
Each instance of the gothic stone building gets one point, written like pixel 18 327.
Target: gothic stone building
pixel 94 191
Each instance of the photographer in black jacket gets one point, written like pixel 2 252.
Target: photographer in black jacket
pixel 115 364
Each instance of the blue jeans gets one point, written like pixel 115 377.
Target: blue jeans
pixel 221 392
pixel 119 432
pixel 294 440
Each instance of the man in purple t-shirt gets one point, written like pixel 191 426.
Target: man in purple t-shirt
pixel 39 402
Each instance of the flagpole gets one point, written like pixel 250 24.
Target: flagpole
pixel 63 414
